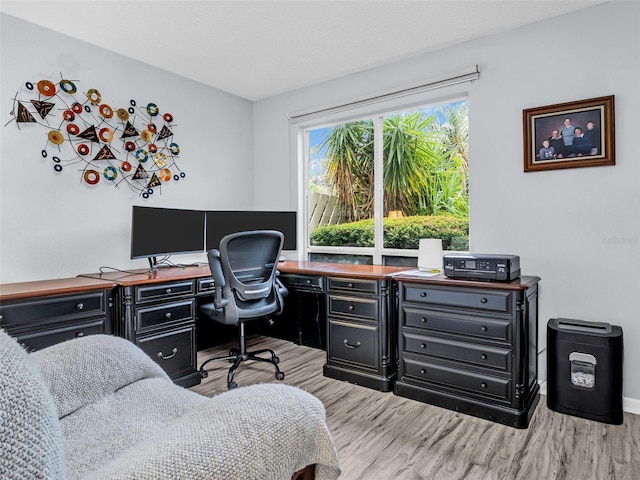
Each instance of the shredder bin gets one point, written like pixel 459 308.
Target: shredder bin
pixel 584 369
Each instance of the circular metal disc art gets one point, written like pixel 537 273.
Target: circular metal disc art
pixel 100 137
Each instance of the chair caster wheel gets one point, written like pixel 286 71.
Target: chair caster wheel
pixel 204 374
pixel 275 360
pixel 232 385
pixel 279 376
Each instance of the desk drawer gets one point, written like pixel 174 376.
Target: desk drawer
pixel 477 383
pixel 39 339
pixel 479 327
pixel 53 309
pixel 164 291
pixel 497 358
pixel 173 350
pixel 205 285
pixel 353 343
pixel 363 308
pixel 477 299
pixel 161 315
pixel 353 285
pixel 303 282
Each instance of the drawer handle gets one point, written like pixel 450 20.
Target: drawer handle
pixel 423 320
pixel 308 282
pixel 423 371
pixel 79 334
pixel 483 328
pixel 80 306
pixel 168 290
pixel 483 300
pixel 483 385
pixel 423 294
pixel 167 315
pixel 351 307
pixel 483 356
pixel 350 285
pixel 173 354
pixel 349 345
pixel 423 345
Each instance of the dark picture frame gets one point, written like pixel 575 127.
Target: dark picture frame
pixel 593 145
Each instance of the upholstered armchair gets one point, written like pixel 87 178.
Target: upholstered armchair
pixel 98 408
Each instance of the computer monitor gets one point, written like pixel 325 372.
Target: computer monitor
pixel 166 231
pixel 224 222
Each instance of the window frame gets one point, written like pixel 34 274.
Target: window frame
pixel 377 112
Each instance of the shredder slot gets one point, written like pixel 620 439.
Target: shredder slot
pixel 584 327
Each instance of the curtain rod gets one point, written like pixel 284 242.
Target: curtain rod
pixel 467 75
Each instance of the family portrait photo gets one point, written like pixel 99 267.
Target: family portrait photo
pixel 569 135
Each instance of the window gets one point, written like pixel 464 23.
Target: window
pixel 376 185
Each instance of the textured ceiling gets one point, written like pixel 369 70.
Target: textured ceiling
pixel 258 49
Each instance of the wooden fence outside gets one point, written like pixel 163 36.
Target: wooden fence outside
pixel 323 210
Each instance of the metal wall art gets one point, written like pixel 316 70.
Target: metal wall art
pixel 104 143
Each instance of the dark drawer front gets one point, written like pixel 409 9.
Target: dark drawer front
pixel 481 300
pixel 498 358
pixel 164 291
pixel 313 282
pixel 357 344
pixel 353 285
pixel 499 388
pixel 364 308
pixel 37 340
pixel 205 285
pixel 173 350
pixel 52 309
pixel 151 317
pixel 480 327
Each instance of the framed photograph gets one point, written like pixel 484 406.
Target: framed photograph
pixel 569 135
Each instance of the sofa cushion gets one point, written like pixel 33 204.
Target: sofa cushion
pixel 31 444
pixel 84 370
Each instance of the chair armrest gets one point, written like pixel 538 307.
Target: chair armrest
pixel 213 256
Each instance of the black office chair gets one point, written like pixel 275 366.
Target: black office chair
pixel 246 288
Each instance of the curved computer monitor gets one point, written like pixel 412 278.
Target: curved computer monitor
pixel 224 222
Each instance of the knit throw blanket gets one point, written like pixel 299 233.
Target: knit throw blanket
pixel 121 417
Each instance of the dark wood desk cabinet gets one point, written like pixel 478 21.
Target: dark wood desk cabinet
pixel 469 346
pixel 359 315
pixel 157 311
pixel 41 313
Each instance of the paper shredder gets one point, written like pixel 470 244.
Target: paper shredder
pixel 584 369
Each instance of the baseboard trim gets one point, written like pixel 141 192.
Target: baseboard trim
pixel 629 405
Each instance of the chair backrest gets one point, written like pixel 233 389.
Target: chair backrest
pixel 249 263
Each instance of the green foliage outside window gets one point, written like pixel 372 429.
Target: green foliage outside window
pixel 398 232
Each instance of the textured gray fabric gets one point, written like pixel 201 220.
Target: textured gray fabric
pixel 30 435
pixel 84 370
pixel 122 418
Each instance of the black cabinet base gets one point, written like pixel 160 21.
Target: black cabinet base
pixel 187 381
pixel 495 413
pixel 369 380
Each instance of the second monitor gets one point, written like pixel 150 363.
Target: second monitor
pixel 223 222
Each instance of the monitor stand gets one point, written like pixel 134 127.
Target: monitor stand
pixel 153 264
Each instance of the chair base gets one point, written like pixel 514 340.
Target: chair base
pixel 237 356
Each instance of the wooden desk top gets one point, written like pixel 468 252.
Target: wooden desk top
pixel 39 288
pixel 377 272
pixel 145 277
pixel 520 283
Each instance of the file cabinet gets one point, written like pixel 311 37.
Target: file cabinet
pixel 469 346
pixel 360 337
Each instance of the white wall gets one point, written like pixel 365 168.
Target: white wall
pixel 53 225
pixel 578 229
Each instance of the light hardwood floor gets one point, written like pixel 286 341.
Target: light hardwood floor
pixel 380 436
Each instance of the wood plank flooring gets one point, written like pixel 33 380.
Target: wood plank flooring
pixel 380 436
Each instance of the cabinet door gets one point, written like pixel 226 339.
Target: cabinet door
pixel 353 343
pixel 173 350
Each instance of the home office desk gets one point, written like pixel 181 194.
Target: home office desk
pixel 464 345
pixel 45 312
